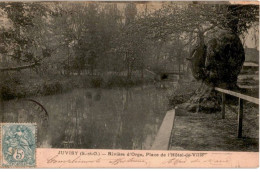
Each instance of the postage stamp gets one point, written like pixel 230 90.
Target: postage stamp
pixel 18 144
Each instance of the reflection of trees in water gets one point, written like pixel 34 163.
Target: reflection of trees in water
pixel 80 121
pixel 118 119
pixel 28 111
pixel 124 139
pixel 137 119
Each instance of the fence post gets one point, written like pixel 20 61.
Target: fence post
pixel 223 108
pixel 240 118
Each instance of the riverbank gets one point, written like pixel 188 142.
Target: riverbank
pixel 182 93
pixel 28 85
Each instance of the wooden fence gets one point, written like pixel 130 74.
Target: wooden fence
pixel 241 98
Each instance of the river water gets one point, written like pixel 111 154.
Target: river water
pixel 94 118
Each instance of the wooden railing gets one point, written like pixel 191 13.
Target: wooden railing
pixel 241 98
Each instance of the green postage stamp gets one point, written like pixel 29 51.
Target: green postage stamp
pixel 18 144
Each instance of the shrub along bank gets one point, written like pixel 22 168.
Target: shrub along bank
pixel 20 86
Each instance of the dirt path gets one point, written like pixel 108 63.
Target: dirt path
pixel 208 132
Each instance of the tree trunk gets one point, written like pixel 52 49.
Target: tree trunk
pixel 205 99
pixel 129 72
pixel 1 100
pixel 92 71
pixel 1 109
pixel 215 63
pixel 142 73
pixel 128 63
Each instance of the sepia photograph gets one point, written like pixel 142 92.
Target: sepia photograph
pixel 141 75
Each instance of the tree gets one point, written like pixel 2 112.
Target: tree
pixel 132 41
pixel 215 28
pixel 218 59
pixel 67 27
pixel 20 41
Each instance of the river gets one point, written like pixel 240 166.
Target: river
pixel 94 118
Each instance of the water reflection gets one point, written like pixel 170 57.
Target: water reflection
pixel 96 118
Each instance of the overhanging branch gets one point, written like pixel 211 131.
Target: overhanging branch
pixel 18 67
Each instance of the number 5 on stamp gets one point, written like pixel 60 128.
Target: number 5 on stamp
pixel 18 144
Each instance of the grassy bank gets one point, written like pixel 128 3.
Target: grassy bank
pixel 20 86
pixel 182 93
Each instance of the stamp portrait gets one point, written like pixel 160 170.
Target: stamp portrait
pixel 18 144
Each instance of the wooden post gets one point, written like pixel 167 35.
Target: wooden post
pixel 240 118
pixel 223 107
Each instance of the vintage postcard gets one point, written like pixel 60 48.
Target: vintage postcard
pixel 127 84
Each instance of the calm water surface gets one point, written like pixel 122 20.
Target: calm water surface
pixel 94 118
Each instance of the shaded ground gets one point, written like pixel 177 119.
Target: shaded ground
pixel 208 132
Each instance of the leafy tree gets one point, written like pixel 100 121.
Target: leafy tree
pixel 22 41
pixel 214 29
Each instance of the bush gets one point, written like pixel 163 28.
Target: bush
pixel 7 93
pixel 182 93
pixel 178 99
pixel 50 88
pixel 115 81
pixel 8 87
pixel 96 82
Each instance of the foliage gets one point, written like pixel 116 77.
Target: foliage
pixel 107 39
pixel 24 41
pixel 49 88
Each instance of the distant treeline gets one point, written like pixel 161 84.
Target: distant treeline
pixel 98 38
